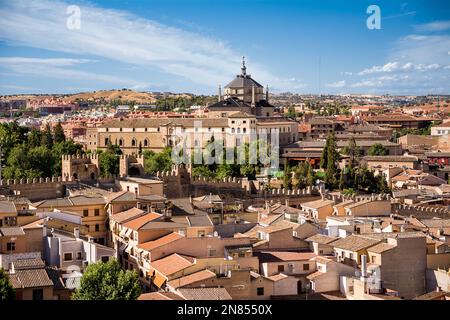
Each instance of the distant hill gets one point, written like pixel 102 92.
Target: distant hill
pixel 107 95
pixel 124 95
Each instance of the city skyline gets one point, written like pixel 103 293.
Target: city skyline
pixel 295 46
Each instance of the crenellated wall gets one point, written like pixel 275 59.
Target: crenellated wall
pixel 420 212
pixel 34 189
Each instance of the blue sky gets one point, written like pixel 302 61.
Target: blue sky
pixel 193 46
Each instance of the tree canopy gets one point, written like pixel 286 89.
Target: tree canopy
pixel 108 281
pixel 154 162
pixel 109 160
pixel 6 289
pixel 377 150
pixel 34 153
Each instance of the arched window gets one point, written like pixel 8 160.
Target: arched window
pixel 120 142
pixel 244 130
pixel 145 143
pixel 133 142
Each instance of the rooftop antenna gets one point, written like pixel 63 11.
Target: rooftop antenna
pixel 320 91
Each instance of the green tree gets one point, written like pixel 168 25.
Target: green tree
pixel 224 171
pixel 161 161
pixel 310 176
pixel 58 133
pixel 332 159
pixel 47 138
pixel 377 150
pixel 34 138
pixel 107 281
pixel 200 171
pixel 353 151
pixel 324 156
pixel 287 178
pixel 291 113
pixel 6 289
pixel 109 161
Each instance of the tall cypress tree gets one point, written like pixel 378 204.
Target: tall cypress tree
pixel 59 133
pixel 47 138
pixel 324 156
pixel 333 157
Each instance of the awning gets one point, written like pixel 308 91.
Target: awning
pixel 122 232
pixel 159 280
pixel 128 248
pixel 128 233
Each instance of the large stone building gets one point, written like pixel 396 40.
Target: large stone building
pixel 245 110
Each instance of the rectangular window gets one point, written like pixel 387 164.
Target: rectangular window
pixel 68 256
pixel 97 227
pixel 85 212
pixel 96 212
pixel 306 266
pixel 280 268
pixel 260 291
pixel 105 259
pixel 11 246
pixel 79 256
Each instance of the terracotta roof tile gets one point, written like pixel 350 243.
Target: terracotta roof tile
pixel 171 264
pixel 192 278
pixel 355 243
pixel 150 245
pixel 137 223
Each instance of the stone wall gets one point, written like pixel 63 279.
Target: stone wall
pixel 420 212
pixel 34 189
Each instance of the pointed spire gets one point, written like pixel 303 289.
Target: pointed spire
pixel 244 68
pixel 220 93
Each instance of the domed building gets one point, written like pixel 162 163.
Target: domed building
pixel 242 94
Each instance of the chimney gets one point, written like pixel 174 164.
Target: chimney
pixel 190 199
pixel 286 202
pixel 76 232
pixel 90 239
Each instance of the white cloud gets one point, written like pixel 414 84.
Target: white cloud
pixel 388 67
pixel 433 26
pixel 366 83
pixel 55 62
pixel 396 66
pixel 56 68
pixel 337 84
pixel 126 38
